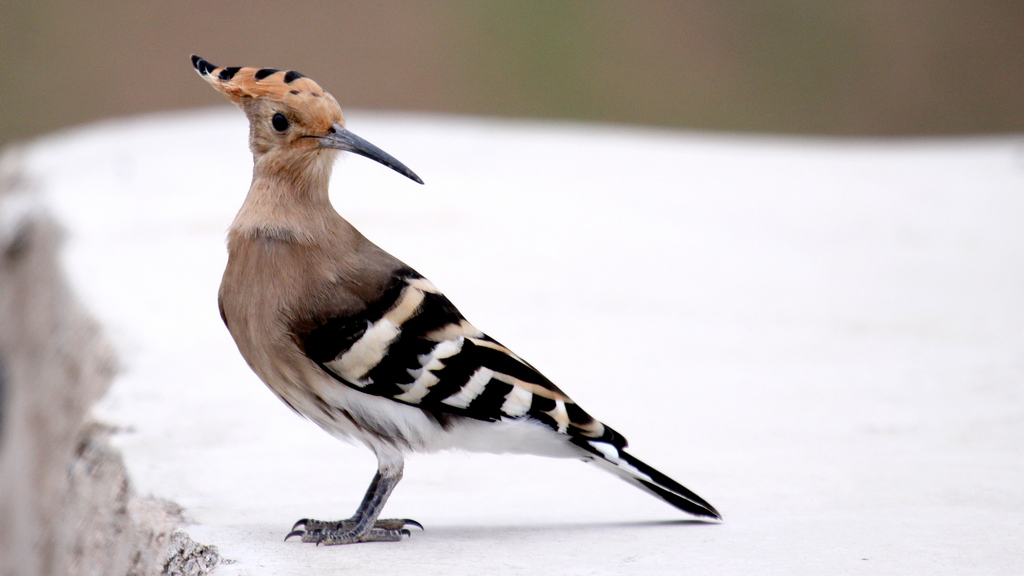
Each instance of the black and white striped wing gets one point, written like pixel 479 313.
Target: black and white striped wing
pixel 412 345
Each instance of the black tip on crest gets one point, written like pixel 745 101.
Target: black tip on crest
pixel 292 76
pixel 263 73
pixel 202 66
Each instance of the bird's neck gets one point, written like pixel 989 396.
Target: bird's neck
pixel 305 175
pixel 288 199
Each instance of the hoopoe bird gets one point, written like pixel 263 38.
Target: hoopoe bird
pixel 358 342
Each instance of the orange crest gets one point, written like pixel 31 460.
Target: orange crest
pixel 286 86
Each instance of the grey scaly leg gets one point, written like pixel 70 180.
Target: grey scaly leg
pixel 364 525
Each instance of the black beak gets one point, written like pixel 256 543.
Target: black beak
pixel 342 139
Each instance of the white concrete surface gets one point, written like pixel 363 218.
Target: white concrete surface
pixel 823 338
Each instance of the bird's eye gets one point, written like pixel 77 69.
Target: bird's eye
pixel 279 122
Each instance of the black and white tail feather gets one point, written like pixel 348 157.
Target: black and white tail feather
pixel 636 472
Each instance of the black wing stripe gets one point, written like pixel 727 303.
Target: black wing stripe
pixel 453 376
pixel 326 338
pixel 487 405
pixel 501 362
pixel 402 357
pixel 541 406
pixel 435 313
pixel 334 337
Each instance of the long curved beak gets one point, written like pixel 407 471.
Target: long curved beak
pixel 341 139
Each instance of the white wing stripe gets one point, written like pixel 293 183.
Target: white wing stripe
pixel 420 387
pixel 473 387
pixel 560 416
pixel 517 402
pixel 367 352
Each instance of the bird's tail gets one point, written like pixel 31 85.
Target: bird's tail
pixel 624 465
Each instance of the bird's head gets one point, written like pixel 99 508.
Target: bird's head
pixel 292 120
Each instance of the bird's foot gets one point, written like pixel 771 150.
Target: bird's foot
pixel 345 531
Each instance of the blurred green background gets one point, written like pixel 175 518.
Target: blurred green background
pixel 839 67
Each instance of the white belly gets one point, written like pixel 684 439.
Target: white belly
pixel 388 426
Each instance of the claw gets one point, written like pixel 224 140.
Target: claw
pixel 343 531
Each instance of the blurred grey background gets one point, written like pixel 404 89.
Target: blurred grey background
pixel 842 67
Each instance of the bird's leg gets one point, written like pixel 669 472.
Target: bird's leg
pixel 364 525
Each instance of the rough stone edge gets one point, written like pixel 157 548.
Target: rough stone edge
pixel 66 502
